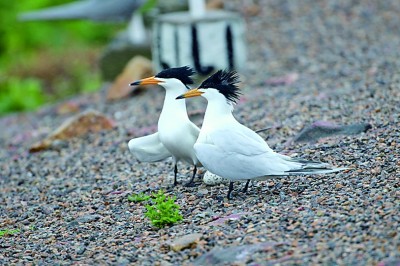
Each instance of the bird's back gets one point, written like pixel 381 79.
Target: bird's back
pixel 236 152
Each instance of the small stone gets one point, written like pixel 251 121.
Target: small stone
pixel 192 198
pixel 250 230
pixel 30 258
pixel 232 255
pixel 47 209
pixel 88 218
pixel 338 186
pixel 186 241
pixel 202 192
pixel 81 250
pixel 165 263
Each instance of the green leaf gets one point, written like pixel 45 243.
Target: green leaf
pixel 9 232
pixel 138 197
pixel 163 211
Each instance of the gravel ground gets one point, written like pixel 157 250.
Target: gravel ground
pixel 71 205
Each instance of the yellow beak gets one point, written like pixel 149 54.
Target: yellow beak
pixel 190 94
pixel 146 81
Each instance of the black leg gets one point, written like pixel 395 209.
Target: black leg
pixel 190 183
pixel 230 190
pixel 246 186
pixel 175 172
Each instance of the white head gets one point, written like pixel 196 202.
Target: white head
pixel 172 79
pixel 221 87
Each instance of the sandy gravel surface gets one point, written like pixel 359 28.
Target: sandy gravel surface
pixel 336 61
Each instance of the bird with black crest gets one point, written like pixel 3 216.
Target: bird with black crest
pixel 176 133
pixel 229 149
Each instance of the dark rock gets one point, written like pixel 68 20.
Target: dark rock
pixel 81 250
pixel 322 129
pixel 89 218
pixel 231 254
pixel 73 224
pixel 118 54
pixel 47 209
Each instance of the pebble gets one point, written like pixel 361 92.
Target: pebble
pixel 88 218
pixel 186 241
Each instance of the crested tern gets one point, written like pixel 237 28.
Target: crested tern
pixel 229 149
pixel 176 133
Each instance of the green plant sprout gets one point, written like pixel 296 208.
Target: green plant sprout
pixel 163 211
pixel 32 228
pixel 138 197
pixel 9 232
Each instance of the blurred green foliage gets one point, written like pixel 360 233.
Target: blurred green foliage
pixel 20 94
pixel 46 60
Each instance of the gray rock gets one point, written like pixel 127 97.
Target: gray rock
pixel 322 129
pixel 185 241
pixel 89 218
pixel 115 57
pixel 81 250
pixel 221 256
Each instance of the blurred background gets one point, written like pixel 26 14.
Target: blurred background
pixel 44 61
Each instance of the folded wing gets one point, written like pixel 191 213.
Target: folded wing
pixel 238 153
pixel 148 148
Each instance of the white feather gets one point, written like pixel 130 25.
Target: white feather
pixel 148 148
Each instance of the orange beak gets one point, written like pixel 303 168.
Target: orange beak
pixel 190 94
pixel 146 81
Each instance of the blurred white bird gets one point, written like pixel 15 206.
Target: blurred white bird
pixel 228 149
pixel 176 133
pixel 97 10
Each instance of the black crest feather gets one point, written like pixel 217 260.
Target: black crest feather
pixel 181 73
pixel 226 82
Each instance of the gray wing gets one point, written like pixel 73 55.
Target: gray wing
pixel 238 153
pixel 86 9
pixel 240 139
pixel 148 148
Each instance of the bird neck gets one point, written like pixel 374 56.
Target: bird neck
pixel 217 114
pixel 172 107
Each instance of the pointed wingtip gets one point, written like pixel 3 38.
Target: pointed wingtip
pixel 317 171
